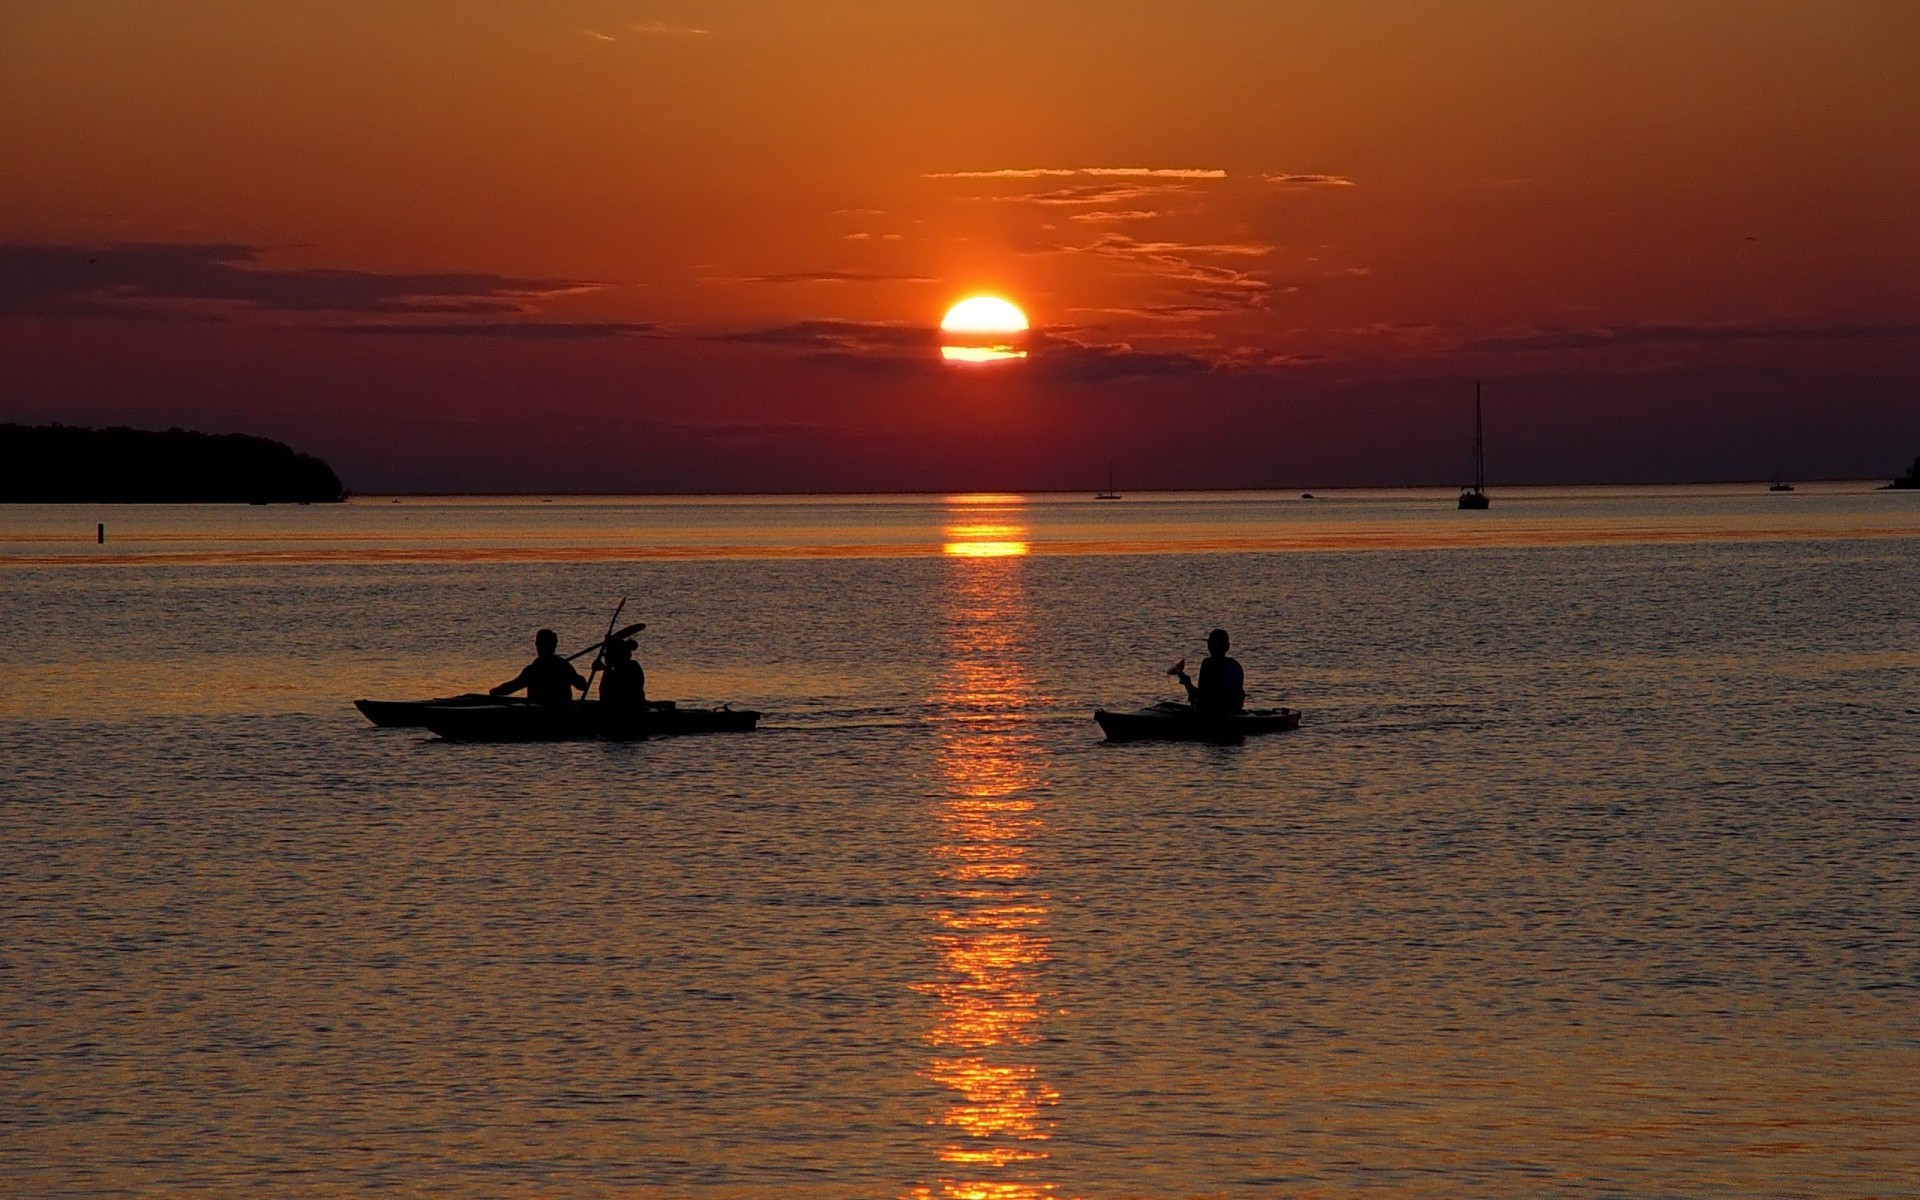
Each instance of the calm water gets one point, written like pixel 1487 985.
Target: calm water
pixel 1595 869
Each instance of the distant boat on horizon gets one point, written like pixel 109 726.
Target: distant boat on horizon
pixel 1109 494
pixel 1475 497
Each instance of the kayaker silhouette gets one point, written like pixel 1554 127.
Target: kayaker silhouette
pixel 1222 689
pixel 548 679
pixel 625 683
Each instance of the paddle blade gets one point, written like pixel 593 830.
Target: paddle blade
pixel 615 636
pixel 1177 668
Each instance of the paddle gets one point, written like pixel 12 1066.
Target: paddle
pixel 622 632
pixel 601 657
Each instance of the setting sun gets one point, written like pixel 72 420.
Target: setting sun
pixel 984 314
pixel 985 327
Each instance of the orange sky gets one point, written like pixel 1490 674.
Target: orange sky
pixel 702 244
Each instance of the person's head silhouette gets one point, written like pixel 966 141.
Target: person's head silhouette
pixel 1217 643
pixel 546 642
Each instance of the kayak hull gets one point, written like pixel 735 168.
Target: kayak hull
pixel 1171 722
pixel 412 714
pixel 584 720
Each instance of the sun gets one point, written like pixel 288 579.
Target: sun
pixel 983 329
pixel 984 314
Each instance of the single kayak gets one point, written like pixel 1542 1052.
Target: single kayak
pixel 412 714
pixel 1172 722
pixel 582 719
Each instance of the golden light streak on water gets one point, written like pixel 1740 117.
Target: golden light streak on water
pixel 984 541
pixel 990 939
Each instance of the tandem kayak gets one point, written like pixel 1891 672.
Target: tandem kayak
pixel 412 714
pixel 584 719
pixel 1172 722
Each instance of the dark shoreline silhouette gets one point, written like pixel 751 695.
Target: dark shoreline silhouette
pixel 70 464
pixel 1911 480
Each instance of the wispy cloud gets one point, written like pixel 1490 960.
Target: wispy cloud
pixel 663 28
pixel 563 330
pixel 1090 194
pixel 1120 245
pixel 863 337
pixel 1069 360
pixel 1064 172
pixel 1111 217
pixel 597 36
pixel 831 277
pixel 1055 355
pixel 1673 334
pixel 1186 265
pixel 145 276
pixel 1182 313
pixel 1307 179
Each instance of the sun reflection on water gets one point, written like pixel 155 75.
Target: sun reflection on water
pixel 984 525
pixel 990 937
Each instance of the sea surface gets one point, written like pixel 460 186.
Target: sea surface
pixel 1593 870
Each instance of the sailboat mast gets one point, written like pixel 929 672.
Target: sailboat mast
pixel 1479 444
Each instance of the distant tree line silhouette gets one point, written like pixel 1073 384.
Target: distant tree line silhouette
pixel 54 464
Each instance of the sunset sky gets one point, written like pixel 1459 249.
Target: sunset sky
pixel 588 245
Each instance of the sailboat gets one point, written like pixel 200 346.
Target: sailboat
pixel 1109 494
pixel 1475 497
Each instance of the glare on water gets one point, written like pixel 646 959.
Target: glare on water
pixel 991 939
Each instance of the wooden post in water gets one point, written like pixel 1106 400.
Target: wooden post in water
pixel 100 534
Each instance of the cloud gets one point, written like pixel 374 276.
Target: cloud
pixel 1121 245
pixel 832 277
pixel 1622 337
pixel 506 329
pixel 41 280
pixel 1054 355
pixel 860 337
pixel 1068 360
pixel 1161 312
pixel 664 29
pixel 597 36
pixel 1183 264
pixel 1111 217
pixel 1090 194
pixel 1060 172
pixel 1302 180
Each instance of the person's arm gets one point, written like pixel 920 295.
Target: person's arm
pixel 578 681
pixel 1186 681
pixel 510 686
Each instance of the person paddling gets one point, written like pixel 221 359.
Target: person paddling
pixel 625 683
pixel 1222 690
pixel 548 679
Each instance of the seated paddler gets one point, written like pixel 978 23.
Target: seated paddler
pixel 548 679
pixel 1222 690
pixel 625 683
